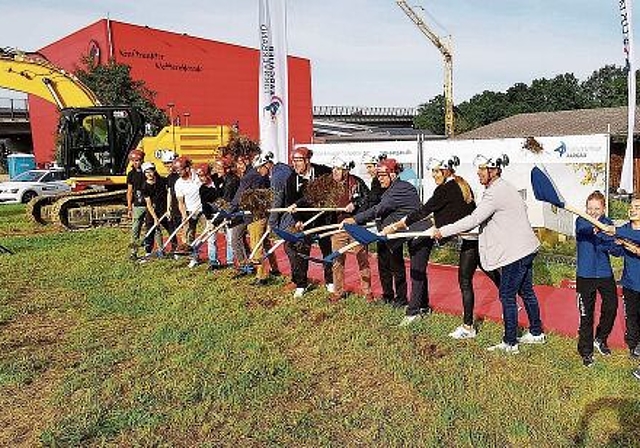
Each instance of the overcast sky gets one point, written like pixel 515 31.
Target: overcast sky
pixel 368 52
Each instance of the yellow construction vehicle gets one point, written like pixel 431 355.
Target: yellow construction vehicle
pixel 94 140
pixel 447 54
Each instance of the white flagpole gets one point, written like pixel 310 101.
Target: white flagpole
pixel 274 83
pixel 626 177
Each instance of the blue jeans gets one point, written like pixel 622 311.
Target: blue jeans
pixel 213 249
pixel 517 277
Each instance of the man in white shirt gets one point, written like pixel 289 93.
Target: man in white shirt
pixel 188 194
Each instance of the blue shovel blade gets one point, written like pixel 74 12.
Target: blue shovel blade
pixel 288 236
pixel 544 189
pixel 362 235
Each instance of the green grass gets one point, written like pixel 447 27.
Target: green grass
pixel 95 350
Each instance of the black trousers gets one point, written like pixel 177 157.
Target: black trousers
pixel 586 289
pixel 298 254
pixel 419 252
pixel 391 271
pixel 467 266
pixel 632 317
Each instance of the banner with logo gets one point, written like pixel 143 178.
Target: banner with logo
pixel 626 178
pixel 405 152
pixel 578 164
pixel 273 85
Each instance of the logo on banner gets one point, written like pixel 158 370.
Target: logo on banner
pixel 562 149
pixel 274 106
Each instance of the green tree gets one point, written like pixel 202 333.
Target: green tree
pixel 112 83
pixel 606 87
pixel 431 115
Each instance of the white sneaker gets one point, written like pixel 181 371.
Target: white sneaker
pixel 503 346
pixel 463 333
pixel 298 293
pixel 528 338
pixel 331 288
pixel 408 320
pixel 193 263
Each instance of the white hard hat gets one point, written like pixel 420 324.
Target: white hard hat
pixel 482 161
pixel 437 164
pixel 261 159
pixel 369 158
pixel 168 156
pixel 148 166
pixel 339 162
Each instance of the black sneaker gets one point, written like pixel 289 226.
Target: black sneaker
pixel 587 361
pixel 635 353
pixel 602 347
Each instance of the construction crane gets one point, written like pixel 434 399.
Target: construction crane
pixel 446 51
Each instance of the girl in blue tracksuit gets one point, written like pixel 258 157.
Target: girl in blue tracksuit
pixel 594 274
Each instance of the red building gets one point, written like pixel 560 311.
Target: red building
pixel 212 82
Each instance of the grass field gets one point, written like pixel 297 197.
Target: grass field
pixel 98 351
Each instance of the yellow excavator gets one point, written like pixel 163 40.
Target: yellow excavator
pixel 94 140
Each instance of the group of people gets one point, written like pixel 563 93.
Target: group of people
pixel 495 235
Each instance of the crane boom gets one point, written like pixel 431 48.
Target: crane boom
pixel 445 50
pixel 37 76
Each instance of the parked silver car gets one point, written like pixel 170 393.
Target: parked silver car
pixel 32 183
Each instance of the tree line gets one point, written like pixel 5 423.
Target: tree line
pixel 606 87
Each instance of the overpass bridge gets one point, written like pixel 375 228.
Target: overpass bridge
pixel 400 117
pixel 15 128
pixel 14 117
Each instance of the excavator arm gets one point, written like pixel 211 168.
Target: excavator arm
pixel 33 74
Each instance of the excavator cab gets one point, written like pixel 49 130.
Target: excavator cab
pixel 95 141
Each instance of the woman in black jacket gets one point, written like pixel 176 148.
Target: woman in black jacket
pixel 452 200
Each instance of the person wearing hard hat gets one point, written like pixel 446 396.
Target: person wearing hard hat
pixel 370 161
pixel 173 210
pixel 503 209
pixel 188 194
pixel 277 173
pixel 304 172
pixel 227 183
pixel 399 199
pixel 354 197
pixel 136 206
pixel 452 199
pixel 251 179
pixel 155 196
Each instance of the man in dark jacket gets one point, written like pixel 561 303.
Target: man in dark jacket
pixel 252 179
pixel 399 199
pixel 227 184
pixel 304 173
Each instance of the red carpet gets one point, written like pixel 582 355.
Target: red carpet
pixel 557 304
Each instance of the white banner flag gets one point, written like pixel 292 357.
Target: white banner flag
pixel 626 178
pixel 273 89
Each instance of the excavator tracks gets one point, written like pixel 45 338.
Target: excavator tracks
pixel 80 210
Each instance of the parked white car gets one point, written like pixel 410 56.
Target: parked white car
pixel 32 183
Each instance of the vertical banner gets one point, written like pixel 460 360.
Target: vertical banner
pixel 273 88
pixel 626 178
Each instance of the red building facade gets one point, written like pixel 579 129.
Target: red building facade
pixel 211 82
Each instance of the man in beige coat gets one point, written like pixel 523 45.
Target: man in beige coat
pixel 506 242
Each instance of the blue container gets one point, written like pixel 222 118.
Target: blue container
pixel 19 163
